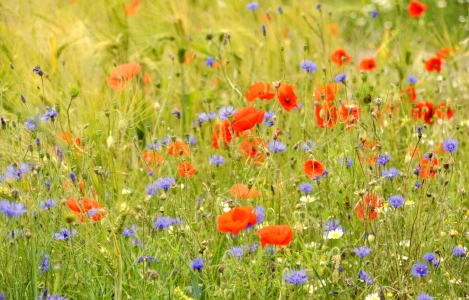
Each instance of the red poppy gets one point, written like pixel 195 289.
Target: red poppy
pixel 349 113
pixel 326 115
pixel 152 159
pixel 287 96
pixel 337 55
pixel 189 58
pixel 178 148
pixel 416 9
pixel 423 110
pixel 391 107
pixel 246 118
pixel 333 29
pixel 433 64
pixel 237 219
pixel 368 207
pixel 243 191
pixel 253 149
pixel 146 78
pixel 186 169
pixel 412 150
pixel 329 92
pixel 122 74
pixel 275 235
pixel 82 206
pixel 443 54
pixel 131 8
pixel 313 168
pixel 409 94
pixel 428 167
pixel 222 130
pixel 259 90
pixel 367 64
pixel 444 111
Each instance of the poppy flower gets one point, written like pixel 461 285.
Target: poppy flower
pixel 368 207
pixel 337 55
pixel 131 8
pixel 443 54
pixel 152 159
pixel 349 113
pixel 246 118
pixel 444 112
pixel 237 219
pixel 326 115
pixel 259 90
pixel 146 78
pixel 287 96
pixel 416 9
pixel 333 29
pixel 253 149
pixel 415 151
pixel 329 92
pixel 433 64
pixel 367 64
pixel 313 168
pixel 391 107
pixel 178 148
pixel 189 58
pixel 409 94
pixel 186 169
pixel 122 74
pixel 222 130
pixel 423 110
pixel 428 167
pixel 80 206
pixel 275 235
pixel 242 191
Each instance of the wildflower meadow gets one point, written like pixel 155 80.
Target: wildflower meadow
pixel 199 149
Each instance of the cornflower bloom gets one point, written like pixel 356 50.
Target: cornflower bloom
pixel 308 66
pixel 362 251
pixel 420 269
pixel 64 234
pixel 13 209
pixel 450 145
pixel 197 264
pixel 296 277
pixel 217 160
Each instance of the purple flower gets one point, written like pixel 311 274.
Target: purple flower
pixel 48 203
pixel 268 118
pixel 362 251
pixel 31 123
pixel 365 277
pixel 306 187
pixel 396 201
pixel 260 213
pixel 45 263
pixel 277 146
pixel 192 140
pixel 210 61
pixel 459 251
pixel 308 66
pixel 226 111
pixel 412 79
pixel 252 5
pixel 13 209
pixel 155 145
pixel 390 173
pixel 280 10
pixel 420 269
pixel 237 252
pixel 147 258
pixel 340 78
pixel 50 114
pixel 296 277
pixel 383 159
pixel 177 113
pixel 308 145
pixel 429 256
pixel 17 172
pixel 205 117
pixel 165 222
pixel 165 183
pixel 374 14
pixel 450 145
pixel 64 234
pixel 424 297
pixel 128 232
pixel 216 159
pixel 38 71
pixel 197 264
pixel 152 189
pixel 348 161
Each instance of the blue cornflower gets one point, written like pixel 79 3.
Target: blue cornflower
pixel 47 204
pixel 192 140
pixel 155 145
pixel 210 61
pixel 13 209
pixel 51 113
pixel 264 32
pixel 152 189
pixel 164 222
pixel 217 159
pixel 308 66
pixel 260 213
pixel 318 7
pixel 38 71
pixel 436 263
pixel 72 176
pixel 14 171
pixel 390 173
pixel 177 113
pixel 32 122
pixel 340 78
pixel 251 248
pixel 306 187
pixel 296 277
pixel 197 264
pixel 396 201
pixel 147 258
pixel 47 184
pixel 424 297
pixel 374 14
pixel 277 146
pixel 308 145
pixel 280 10
pixel 237 252
pixel 45 263
pixel 420 269
pixel 365 277
pixel 138 242
pixel 412 79
pixel 268 115
pixel 362 251
pixel 203 117
pixel 64 234
pixel 419 128
pixel 128 232
pixel 348 161
pixel 383 159
pixel 165 183
pixel 331 225
pixel 429 256
pixel 459 251
pixel 2 296
pixel 54 297
pixel 252 5
pixel 226 111
pixel 417 172
pixel 450 145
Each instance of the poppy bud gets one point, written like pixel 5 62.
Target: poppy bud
pixel 364 77
pixel 12 66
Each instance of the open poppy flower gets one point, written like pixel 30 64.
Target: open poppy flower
pixel 275 235
pixel 423 110
pixel 131 8
pixel 443 54
pixel 122 74
pixel 222 130
pixel 189 58
pixel 367 64
pixel 178 148
pixel 329 92
pixel 259 90
pixel 82 206
pixel 186 169
pixel 368 207
pixel 146 78
pixel 428 167
pixel 246 118
pixel 409 94
pixel 237 219
pixel 337 55
pixel 313 168
pixel 416 9
pixel 444 111
pixel 287 96
pixel 242 191
pixel 253 149
pixel 433 64
pixel 349 113
pixel 152 159
pixel 326 115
